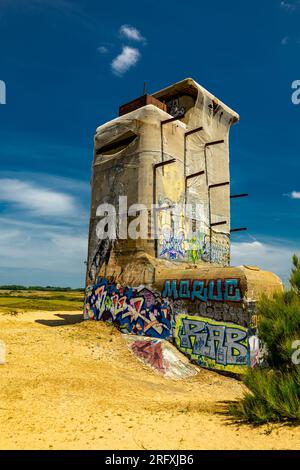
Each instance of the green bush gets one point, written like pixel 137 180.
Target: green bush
pixel 274 396
pixel 274 392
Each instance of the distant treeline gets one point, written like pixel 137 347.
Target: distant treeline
pixel 50 288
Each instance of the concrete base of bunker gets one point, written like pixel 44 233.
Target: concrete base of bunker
pixel 208 312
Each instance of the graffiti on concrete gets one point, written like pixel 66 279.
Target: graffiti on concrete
pixel 226 312
pixel 217 250
pixel 139 311
pixel 170 222
pixel 151 353
pixel 101 256
pixel 175 109
pixel 172 247
pixel 195 247
pixel 211 344
pixel 184 235
pixel 161 356
pixel 257 350
pixel 219 290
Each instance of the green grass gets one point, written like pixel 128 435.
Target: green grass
pixel 22 301
pixel 274 397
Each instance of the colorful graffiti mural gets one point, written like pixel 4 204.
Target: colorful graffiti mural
pixel 138 311
pixel 171 247
pixel 195 247
pixel 220 290
pixel 214 345
pixel 184 235
pixel 207 319
pixel 217 250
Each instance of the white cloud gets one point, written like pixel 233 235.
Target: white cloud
pixel 57 253
pixel 43 229
pixel 131 33
pixel 293 195
pixel 285 40
pixel 274 257
pixel 103 49
pixel 124 61
pixel 70 244
pixel 288 6
pixel 69 9
pixel 38 200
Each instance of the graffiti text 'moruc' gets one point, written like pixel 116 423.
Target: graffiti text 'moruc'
pixel 227 290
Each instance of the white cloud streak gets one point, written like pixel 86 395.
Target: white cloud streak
pixel 103 49
pixel 126 60
pixel 43 230
pixel 58 254
pixel 293 195
pixel 37 200
pixel 290 7
pixel 285 40
pixel 130 32
pixel 274 257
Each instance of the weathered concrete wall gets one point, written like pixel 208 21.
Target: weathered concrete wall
pixel 127 148
pixel 190 307
pixel 180 286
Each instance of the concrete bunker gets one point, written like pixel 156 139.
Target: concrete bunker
pixel 168 154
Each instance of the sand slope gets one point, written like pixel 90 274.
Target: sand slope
pixel 75 385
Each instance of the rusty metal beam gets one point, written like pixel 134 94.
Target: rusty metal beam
pixel 218 185
pixel 235 196
pixel 167 162
pixel 193 131
pixel 158 165
pixel 224 222
pixel 162 123
pixel 234 230
pixel 167 121
pixel 186 135
pixel 215 142
pixel 194 175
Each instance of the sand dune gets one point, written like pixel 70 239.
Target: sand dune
pixel 69 384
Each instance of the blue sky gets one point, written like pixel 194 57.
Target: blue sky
pixel 69 64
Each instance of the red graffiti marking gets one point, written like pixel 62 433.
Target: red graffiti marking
pixel 150 352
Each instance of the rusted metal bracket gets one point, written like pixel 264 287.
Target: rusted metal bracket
pixel 215 142
pixel 224 222
pixel 162 124
pixel 212 186
pixel 210 144
pixel 193 131
pixel 155 167
pixel 218 185
pixel 167 162
pixel 186 135
pixel 243 229
pixel 199 173
pixel 167 121
pixel 236 196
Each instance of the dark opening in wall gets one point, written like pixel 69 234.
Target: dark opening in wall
pixel 117 145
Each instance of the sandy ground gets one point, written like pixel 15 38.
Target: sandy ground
pixel 69 384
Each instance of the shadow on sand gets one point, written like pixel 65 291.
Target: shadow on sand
pixel 64 320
